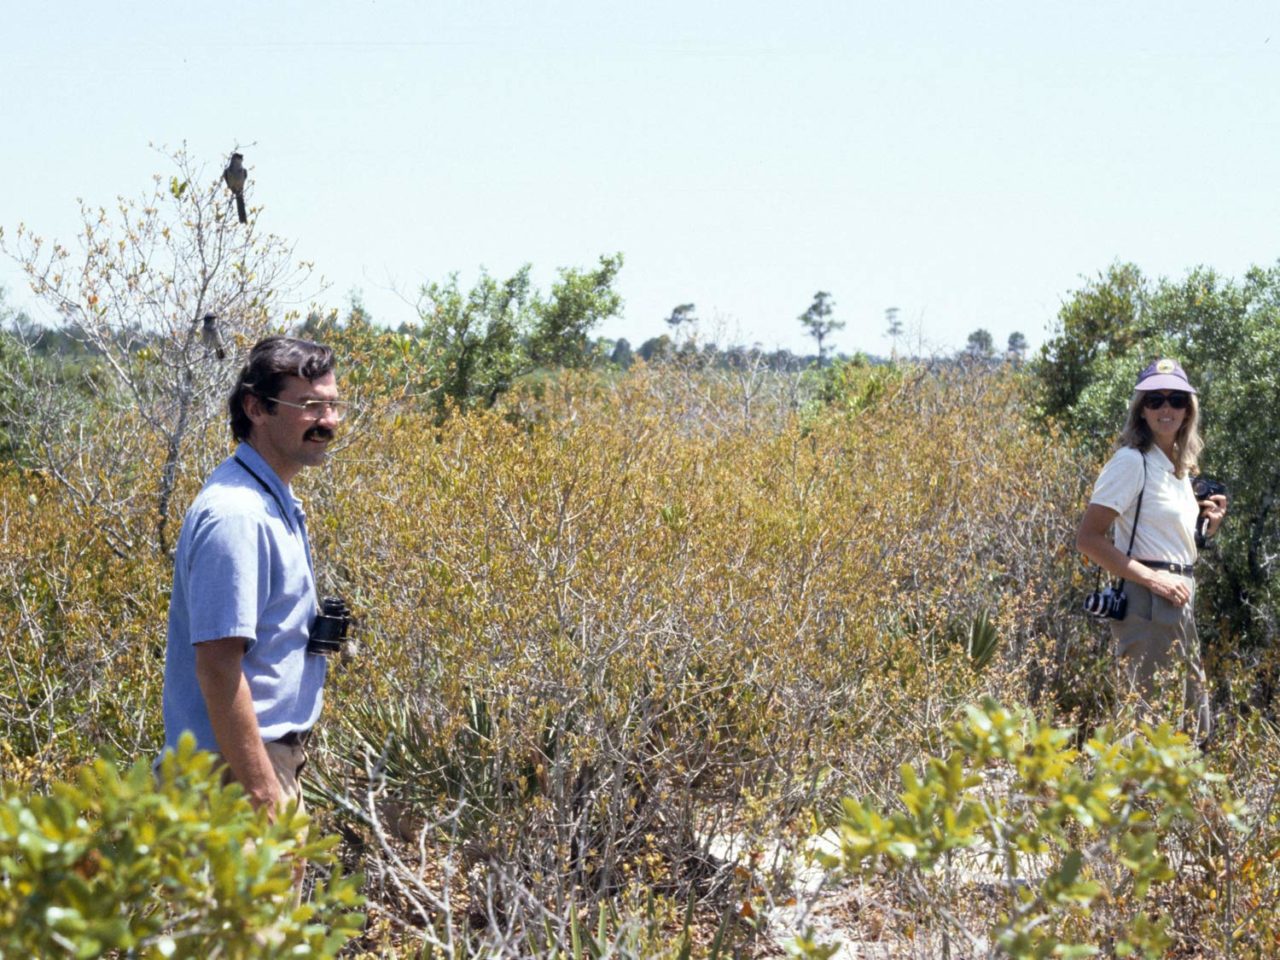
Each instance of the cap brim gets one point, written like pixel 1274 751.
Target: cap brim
pixel 1165 381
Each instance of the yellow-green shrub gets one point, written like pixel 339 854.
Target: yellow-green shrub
pixel 641 618
pixel 610 621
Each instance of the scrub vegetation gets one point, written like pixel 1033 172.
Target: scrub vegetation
pixel 637 649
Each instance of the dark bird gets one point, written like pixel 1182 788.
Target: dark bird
pixel 235 175
pixel 210 336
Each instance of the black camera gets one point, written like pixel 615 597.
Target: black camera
pixel 1204 488
pixel 329 629
pixel 1107 604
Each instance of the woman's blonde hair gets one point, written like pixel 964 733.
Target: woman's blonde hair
pixel 1186 445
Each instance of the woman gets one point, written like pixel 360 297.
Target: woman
pixel 1154 458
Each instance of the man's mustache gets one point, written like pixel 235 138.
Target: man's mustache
pixel 318 433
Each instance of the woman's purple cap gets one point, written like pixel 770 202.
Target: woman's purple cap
pixel 1164 374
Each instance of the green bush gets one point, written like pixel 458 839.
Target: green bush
pixel 1077 845
pixel 171 866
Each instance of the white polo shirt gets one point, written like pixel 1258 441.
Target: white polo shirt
pixel 1167 522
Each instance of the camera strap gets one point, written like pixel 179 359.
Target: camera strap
pixel 1137 512
pixel 292 519
pixel 284 514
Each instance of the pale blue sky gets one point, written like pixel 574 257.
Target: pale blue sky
pixel 966 162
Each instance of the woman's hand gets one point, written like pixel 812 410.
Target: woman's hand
pixel 1213 509
pixel 1173 588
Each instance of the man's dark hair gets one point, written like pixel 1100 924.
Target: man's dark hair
pixel 270 361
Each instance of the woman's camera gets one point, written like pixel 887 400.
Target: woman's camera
pixel 1204 488
pixel 1107 604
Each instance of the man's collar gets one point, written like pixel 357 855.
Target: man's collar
pixel 255 461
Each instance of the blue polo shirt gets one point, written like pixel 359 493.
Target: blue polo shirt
pixel 243 569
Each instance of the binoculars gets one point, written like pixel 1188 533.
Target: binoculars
pixel 329 629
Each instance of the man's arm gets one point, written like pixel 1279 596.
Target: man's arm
pixel 235 725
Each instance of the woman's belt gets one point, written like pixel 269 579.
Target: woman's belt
pixel 1180 569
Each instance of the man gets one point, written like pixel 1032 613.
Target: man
pixel 237 671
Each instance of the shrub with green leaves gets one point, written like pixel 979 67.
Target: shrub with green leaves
pixel 168 865
pixel 1074 845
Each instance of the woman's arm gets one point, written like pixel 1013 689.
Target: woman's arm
pixel 1093 542
pixel 1214 509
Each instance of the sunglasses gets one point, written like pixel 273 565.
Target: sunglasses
pixel 1178 401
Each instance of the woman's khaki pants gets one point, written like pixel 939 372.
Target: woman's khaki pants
pixel 1159 652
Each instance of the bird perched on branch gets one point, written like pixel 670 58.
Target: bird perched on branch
pixel 210 336
pixel 235 175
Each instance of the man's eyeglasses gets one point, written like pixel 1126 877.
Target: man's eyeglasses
pixel 315 409
pixel 1154 401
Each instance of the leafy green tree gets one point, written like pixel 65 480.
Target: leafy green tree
pixel 375 361
pixel 655 349
pixel 682 318
pixel 622 356
pixel 475 337
pixel 980 344
pixel 1017 346
pixel 480 341
pixel 579 301
pixel 854 384
pixel 818 322
pixel 1103 319
pixel 893 329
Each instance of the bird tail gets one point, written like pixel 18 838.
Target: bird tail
pixel 244 217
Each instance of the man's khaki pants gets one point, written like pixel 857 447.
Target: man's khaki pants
pixel 287 760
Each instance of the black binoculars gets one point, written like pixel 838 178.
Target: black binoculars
pixel 329 629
